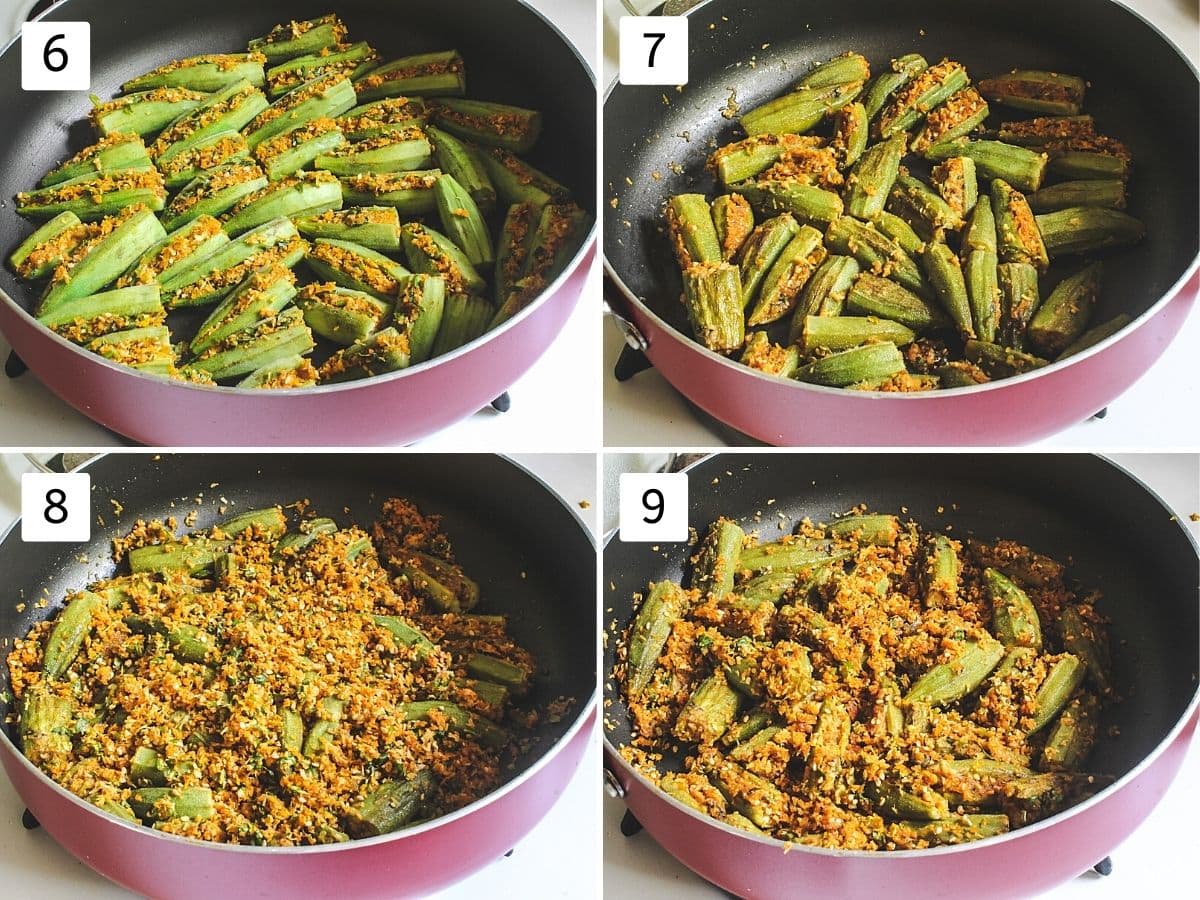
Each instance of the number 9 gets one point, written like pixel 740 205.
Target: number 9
pixel 652 500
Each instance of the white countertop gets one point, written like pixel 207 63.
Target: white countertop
pixel 553 404
pixel 1155 862
pixel 559 858
pixel 646 411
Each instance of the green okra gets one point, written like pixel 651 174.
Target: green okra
pixel 874 362
pixel 875 252
pixel 48 245
pixel 871 295
pixel 290 371
pixel 143 113
pixel 957 829
pixel 878 530
pixel 394 150
pixel 440 74
pixel 304 193
pixel 944 273
pixel 1018 562
pixel 770 587
pixel 391 806
pixel 900 232
pixel 748 727
pixel 431 253
pixel 194 557
pixel 1018 236
pixel 960 374
pixel 942 573
pixel 114 153
pixel 1019 299
pixel 85 318
pixel 420 308
pixel 1065 676
pixel 494 695
pixel 512 128
pixel 961 113
pixel 844 69
pixel 971 662
pixel 1070 741
pixel 981 228
pixel 871 179
pixel 1035 91
pixel 208 278
pixel 897 803
pixel 291 734
pixel 712 295
pixel 850 132
pixel 664 604
pixel 297 148
pixel 825 292
pixel 518 182
pixel 326 97
pixel 1109 192
pixel 370 119
pixel 835 333
pixel 1001 362
pixel 269 521
pixel 339 314
pixel 213 192
pixel 1044 129
pixel 514 247
pixel 1096 334
pixel 329 717
pixel 717 559
pixel 787 276
pixel 209 73
pixel 463 221
pixel 358 268
pixel 1021 167
pixel 1082 229
pixel 927 90
pixel 745 751
pixel 349 60
pixel 746 159
pixel 385 351
pixel 291 39
pixel 923 209
pixel 494 670
pixel 373 227
pixel 733 219
pixel 761 354
pixel 486 733
pixel 807 202
pixel 1088 164
pixel 827 745
pixel 205 153
pixel 411 193
pixel 1065 314
pixel 751 795
pixel 442 583
pixel 957 183
pixel 1014 617
pixel 464 318
pixel 186 641
pixel 160 804
pixel 1085 641
pixel 70 629
pixel 47 721
pixel 147 768
pixel 281 336
pixel 760 252
pixel 798 111
pixel 308 533
pixel 466 164
pixel 96 195
pixel 982 274
pixel 229 109
pixel 709 711
pixel 880 91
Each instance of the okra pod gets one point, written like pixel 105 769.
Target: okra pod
pixel 663 606
pixel 944 274
pixel 1045 129
pixel 716 562
pixel 1014 617
pixel 67 636
pixel 355 267
pixel 463 221
pixel 269 521
pixel 208 278
pixel 876 252
pixel 145 112
pixel 1065 676
pixel 983 293
pixel 161 804
pixel 394 150
pixel 1035 91
pixel 291 731
pixel 371 119
pixel 1065 314
pixel 1108 193
pixel 329 716
pixel 114 153
pixel 1088 164
pixel 927 90
pixel 1018 236
pixel 836 333
pixel 749 158
pixel 851 129
pixel 871 179
pixel 281 336
pixel 326 97
pixel 486 733
pixel 760 252
pixel 751 795
pixel 86 318
pixel 442 583
pixel 290 39
pixel 229 109
pixel 432 253
pixel 465 164
pixel 880 91
pixel 760 353
pixel 213 192
pixel 847 68
pixel 297 147
pixel 962 113
pixel 807 202
pixel 900 232
pixel 511 128
pixel 1019 299
pixel 788 556
pixel 1021 167
pixel 1026 800
pixel 893 801
pixel 770 587
pixel 373 227
pixel 209 73
pixel 390 806
pixel 348 60
pixel 46 721
pixel 971 662
pixel 1002 362
pixel 516 181
pixel 515 245
pixel 194 557
pixel 922 208
pixel 798 111
pixel 464 318
pixel 411 193
pixel 877 530
pixel 712 295
pixel 419 309
pixel 1019 562
pixel 1084 640
pixel 385 351
pixel 942 573
pixel 283 372
pixel 147 768
pixel 186 641
pixel 49 244
pixel 748 747
pixel 981 229
pixel 874 362
pixel 440 74
pixel 871 295
pixel 560 231
pixel 309 532
pixel 205 153
pixel 787 276
pixel 733 220
pixel 1082 229
pixel 494 670
pixel 957 183
pixel 827 746
pixel 825 292
pixel 339 314
pixel 960 374
pixel 709 711
pixel 304 193
pixel 954 829
pixel 1071 739
pixel 1096 334
pixel 94 196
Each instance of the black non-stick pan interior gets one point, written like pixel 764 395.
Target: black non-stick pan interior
pixel 744 52
pixel 512 56
pixel 530 554
pixel 1119 538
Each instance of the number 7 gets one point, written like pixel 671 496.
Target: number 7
pixel 658 36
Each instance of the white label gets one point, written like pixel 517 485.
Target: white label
pixel 56 56
pixel 56 508
pixel 654 507
pixel 654 50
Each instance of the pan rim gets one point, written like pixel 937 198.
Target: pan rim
pixel 1190 714
pixel 587 712
pixel 1170 294
pixel 544 298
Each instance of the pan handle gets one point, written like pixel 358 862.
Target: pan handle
pixel 633 335
pixel 670 8
pixel 613 786
pixel 57 465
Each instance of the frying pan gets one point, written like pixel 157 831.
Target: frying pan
pixel 1145 92
pixel 512 54
pixel 505 525
pixel 1121 538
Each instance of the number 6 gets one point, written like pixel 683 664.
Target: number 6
pixel 50 48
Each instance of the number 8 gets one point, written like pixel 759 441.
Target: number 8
pixel 55 503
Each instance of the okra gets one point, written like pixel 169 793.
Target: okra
pixel 339 314
pixel 114 153
pixel 329 716
pixel 1065 314
pixel 983 293
pixel 891 800
pixel 733 220
pixel 432 253
pixel 749 158
pixel 1018 236
pixel 1026 800
pixel 186 641
pixel 789 556
pixel 1065 676
pixel 67 636
pixel 440 74
pixel 871 295
pixel 442 583
pixel 922 208
pixel 876 253
pixel 709 711
pixel 515 245
pixel 269 521
pixel 1019 562
pixel 145 112
pixel 1045 129
pixel 1040 92
pixel 798 111
pixel 960 374
pixel 516 181
pixel 464 318
pixel 372 119
pixel 494 670
pixel 304 193
pixel 49 244
pixel 825 292
pixel 385 351
pixel 465 164
pixel 770 587
pixel 962 113
pixel 847 68
pixel 85 318
pixel 355 267
pixel 227 110
pixel 1019 299
pixel 420 306
pixel 1071 739
pixel 956 829
pixel 209 73
pixel 894 227
pixel 1021 167
pixel 213 192
pixel 664 605
pixel 1088 164
pixel 807 202
pixel 787 277
pixel 94 196
pixel 827 746
pixel 204 154
pixel 209 278
pixel 512 128
pixel 1082 229
pixel 971 662
pixel 850 132
pixel 1001 362
pixel 463 221
pixel 1108 193
pixel 1014 617
pixel 373 227
pixel 957 183
pixel 390 806
pixel 194 557
pixel 760 353
pixel 326 97
pixel 904 69
pixel 716 562
pixel 748 747
pixel 556 240
pixel 1085 640
pixel 751 795
pixel 877 530
pixel 874 362
pixel 944 273
pixel 46 721
pixel 161 804
pixel 308 533
pixel 290 39
pixel 479 728
pixel 395 150
pixel 871 179
pixel 981 229
pixel 411 193
pixel 348 60
pixel 761 250
pixel 284 372
pixel 834 333
pixel 942 573
pixel 296 148
pixel 1096 334
pixel 261 296
pixel 281 336
pixel 712 295
pixel 147 768
pixel 291 731
pixel 925 92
